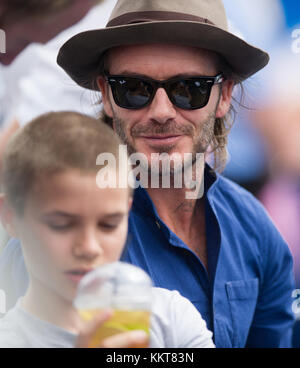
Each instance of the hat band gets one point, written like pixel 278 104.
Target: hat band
pixel 153 16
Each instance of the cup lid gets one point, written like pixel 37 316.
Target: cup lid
pixel 117 285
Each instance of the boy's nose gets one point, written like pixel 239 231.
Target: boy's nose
pixel 161 109
pixel 87 245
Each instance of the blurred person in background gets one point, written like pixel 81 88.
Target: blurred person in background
pixel 39 21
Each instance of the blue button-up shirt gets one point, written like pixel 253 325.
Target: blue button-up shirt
pixel 244 294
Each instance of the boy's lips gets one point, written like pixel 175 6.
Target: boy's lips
pixel 76 275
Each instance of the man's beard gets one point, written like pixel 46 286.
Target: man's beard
pixel 202 138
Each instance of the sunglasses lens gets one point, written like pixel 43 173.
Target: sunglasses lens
pixel 189 94
pixel 131 93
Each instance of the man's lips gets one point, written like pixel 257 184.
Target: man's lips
pixel 77 274
pixel 161 139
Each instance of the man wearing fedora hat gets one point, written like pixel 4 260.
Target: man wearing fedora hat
pixel 166 70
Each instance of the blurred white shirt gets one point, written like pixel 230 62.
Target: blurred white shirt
pixel 34 84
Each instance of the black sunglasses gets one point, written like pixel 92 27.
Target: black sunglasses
pixel 186 93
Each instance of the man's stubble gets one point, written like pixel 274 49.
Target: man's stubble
pixel 202 138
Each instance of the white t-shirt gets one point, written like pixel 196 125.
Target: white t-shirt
pixel 175 323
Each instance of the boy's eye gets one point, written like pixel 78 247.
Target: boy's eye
pixel 59 226
pixel 108 226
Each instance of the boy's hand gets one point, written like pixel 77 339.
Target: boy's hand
pixel 131 339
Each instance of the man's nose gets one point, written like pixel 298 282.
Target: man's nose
pixel 161 108
pixel 87 244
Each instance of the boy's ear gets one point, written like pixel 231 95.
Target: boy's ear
pixel 7 216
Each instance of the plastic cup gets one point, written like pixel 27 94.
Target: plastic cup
pixel 119 286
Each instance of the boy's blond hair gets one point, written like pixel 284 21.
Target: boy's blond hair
pixel 50 144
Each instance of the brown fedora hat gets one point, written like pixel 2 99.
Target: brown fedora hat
pixel 196 23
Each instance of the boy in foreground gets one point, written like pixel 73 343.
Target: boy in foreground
pixel 68 226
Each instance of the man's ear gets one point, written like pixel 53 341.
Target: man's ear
pixel 225 99
pixel 103 87
pixel 7 216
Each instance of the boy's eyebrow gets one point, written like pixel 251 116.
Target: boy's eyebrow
pixel 116 214
pixel 59 213
pixel 67 214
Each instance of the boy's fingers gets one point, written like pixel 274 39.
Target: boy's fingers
pixel 131 339
pixel 91 328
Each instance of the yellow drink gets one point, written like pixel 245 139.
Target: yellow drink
pixel 121 321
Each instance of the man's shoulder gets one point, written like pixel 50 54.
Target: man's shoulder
pixel 236 199
pixel 238 209
pixel 233 190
